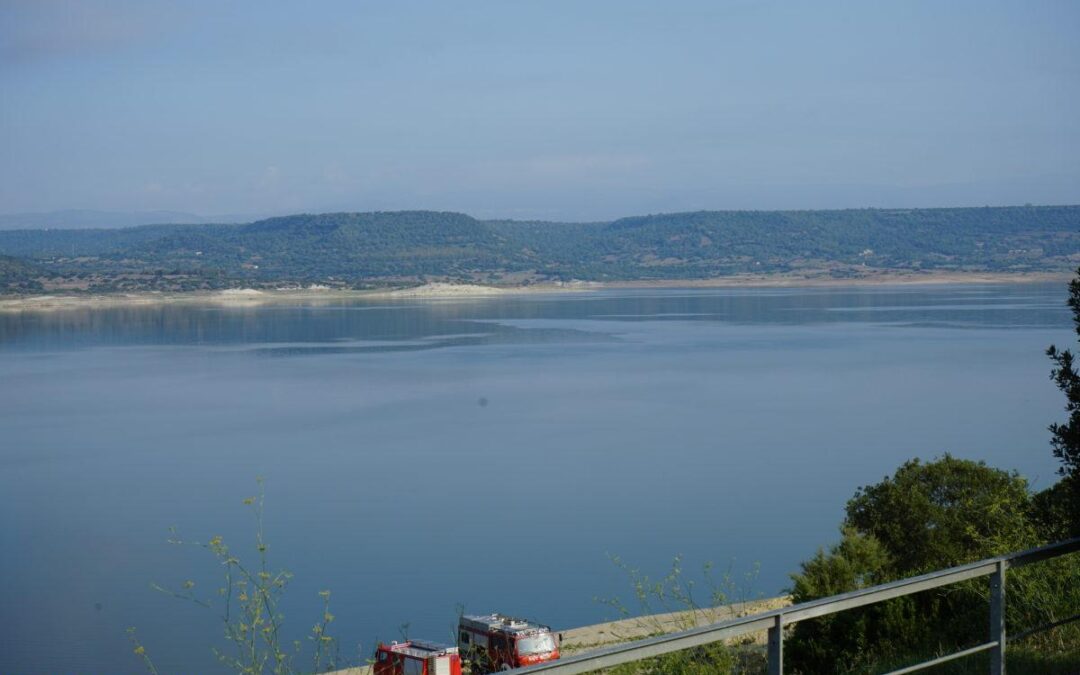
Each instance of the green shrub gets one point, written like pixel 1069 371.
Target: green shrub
pixel 1054 511
pixel 928 516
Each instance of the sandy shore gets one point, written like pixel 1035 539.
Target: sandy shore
pixel 825 281
pixel 588 638
pixel 314 295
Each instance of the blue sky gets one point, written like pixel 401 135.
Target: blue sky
pixel 556 109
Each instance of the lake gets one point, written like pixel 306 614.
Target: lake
pixel 491 452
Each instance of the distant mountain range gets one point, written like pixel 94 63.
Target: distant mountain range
pixel 404 246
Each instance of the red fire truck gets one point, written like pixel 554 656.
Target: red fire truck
pixel 495 642
pixel 416 658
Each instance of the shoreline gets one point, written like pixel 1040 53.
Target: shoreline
pixel 247 297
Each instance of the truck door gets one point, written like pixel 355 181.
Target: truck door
pixel 412 666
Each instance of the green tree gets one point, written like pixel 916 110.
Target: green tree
pixel 858 561
pixel 1065 437
pixel 944 513
pixel 926 516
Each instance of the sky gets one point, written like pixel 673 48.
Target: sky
pixel 553 109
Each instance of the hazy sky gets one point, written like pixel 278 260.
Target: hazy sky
pixel 551 109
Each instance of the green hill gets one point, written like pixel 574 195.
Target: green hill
pixel 355 248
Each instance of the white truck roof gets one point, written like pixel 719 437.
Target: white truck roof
pixel 421 649
pixel 500 623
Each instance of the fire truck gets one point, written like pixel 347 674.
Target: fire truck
pixel 495 642
pixel 416 657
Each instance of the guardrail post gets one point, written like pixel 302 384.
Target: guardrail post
pixel 776 646
pixel 997 618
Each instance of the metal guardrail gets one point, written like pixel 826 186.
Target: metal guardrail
pixel 774 621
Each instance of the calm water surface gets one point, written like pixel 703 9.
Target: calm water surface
pixel 488 452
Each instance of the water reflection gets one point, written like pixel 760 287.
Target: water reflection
pixel 441 320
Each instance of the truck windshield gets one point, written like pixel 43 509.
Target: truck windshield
pixel 536 644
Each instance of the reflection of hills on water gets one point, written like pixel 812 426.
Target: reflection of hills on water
pixel 414 325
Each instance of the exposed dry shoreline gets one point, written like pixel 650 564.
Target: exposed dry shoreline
pixel 320 295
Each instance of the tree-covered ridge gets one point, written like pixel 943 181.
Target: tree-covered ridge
pixel 389 246
pixel 16 274
pixel 342 245
pixel 987 237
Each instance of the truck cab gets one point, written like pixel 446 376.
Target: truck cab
pixel 494 642
pixel 416 657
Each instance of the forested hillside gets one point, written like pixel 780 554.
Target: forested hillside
pixel 405 246
pixel 18 275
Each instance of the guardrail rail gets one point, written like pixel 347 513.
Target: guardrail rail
pixel 774 621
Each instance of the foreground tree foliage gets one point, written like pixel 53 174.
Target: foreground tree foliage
pixel 928 516
pixel 944 513
pixel 1061 505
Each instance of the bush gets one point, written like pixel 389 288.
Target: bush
pixel 944 513
pixel 1055 510
pixel 928 516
